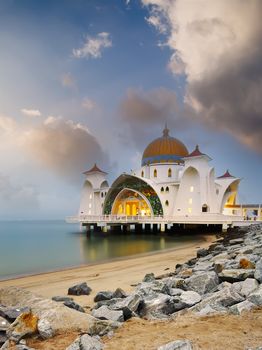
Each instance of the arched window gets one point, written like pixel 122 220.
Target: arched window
pixel 204 208
pixel 162 189
pixel 142 173
pixel 167 189
pixel 167 203
pixel 102 194
pixel 155 173
pixel 169 173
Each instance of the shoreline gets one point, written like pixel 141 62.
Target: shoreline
pixel 121 272
pixel 106 261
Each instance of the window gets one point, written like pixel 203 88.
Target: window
pixel 155 173
pixel 167 189
pixel 191 188
pixel 142 173
pixel 162 189
pixel 169 173
pixel 190 201
pixel 102 194
pixel 167 203
pixel 204 208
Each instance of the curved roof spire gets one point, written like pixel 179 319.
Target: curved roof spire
pixel 166 131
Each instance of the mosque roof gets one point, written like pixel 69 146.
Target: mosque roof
pixel 165 149
pixel 94 169
pixel 196 152
pixel 226 175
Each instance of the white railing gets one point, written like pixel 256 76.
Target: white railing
pixel 204 218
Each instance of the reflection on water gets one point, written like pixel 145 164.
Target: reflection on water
pixel 35 246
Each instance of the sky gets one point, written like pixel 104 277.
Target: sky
pixel 95 81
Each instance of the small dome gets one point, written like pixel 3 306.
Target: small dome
pixel 165 149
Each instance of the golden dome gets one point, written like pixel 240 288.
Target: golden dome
pixel 165 149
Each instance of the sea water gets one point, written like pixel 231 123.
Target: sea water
pixel 29 247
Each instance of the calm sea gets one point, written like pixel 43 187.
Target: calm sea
pixel 28 247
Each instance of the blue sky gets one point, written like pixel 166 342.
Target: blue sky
pixel 85 81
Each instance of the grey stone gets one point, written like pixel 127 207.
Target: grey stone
pixel 246 287
pixel 103 295
pixel 62 299
pixel 219 300
pixel 79 289
pixel 203 282
pixel 104 313
pixel 237 309
pixel 256 296
pixel 73 305
pixel 23 347
pixel 202 252
pixel 258 271
pixel 220 257
pixel 4 324
pixel 146 288
pixel 85 342
pixel 190 298
pixel 175 291
pixel 45 329
pixel 177 345
pixel 235 275
pixel 11 313
pixel 3 337
pixel 203 266
pixel 236 241
pixel 149 277
pixel 131 302
pixel 119 293
pixel 157 306
pixel 176 282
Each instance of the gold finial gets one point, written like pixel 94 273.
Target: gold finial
pixel 166 131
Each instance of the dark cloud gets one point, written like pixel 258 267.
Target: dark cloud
pixel 65 147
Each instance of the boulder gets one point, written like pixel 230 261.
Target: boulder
pixel 157 306
pixel 219 300
pixel 4 324
pixel 11 313
pixel 62 299
pixel 177 345
pixel 79 289
pixel 85 342
pixel 258 271
pixel 190 298
pixel 235 275
pixel 146 288
pixel 246 287
pixel 103 295
pixel 3 338
pixel 175 291
pixel 119 293
pixel 45 329
pixel 73 305
pixel 104 313
pixel 203 283
pixel 131 302
pixel 256 296
pixel 202 252
pixel 149 277
pixel 60 317
pixel 236 241
pixel 24 325
pixel 203 266
pixel 245 305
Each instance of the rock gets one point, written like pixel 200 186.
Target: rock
pixel 176 282
pixel 220 257
pixel 236 241
pixel 146 288
pixel 258 271
pixel 24 325
pixel 245 305
pixel 185 273
pixel 104 295
pixel 102 327
pixel 22 347
pixel 79 289
pixel 203 266
pixel 246 287
pixel 235 275
pixel 190 298
pixel 246 264
pixel 60 317
pixel 202 252
pixel 157 306
pixel 256 296
pixel 131 302
pixel 119 293
pixel 85 342
pixel 149 277
pixel 4 324
pixel 62 299
pixel 177 345
pixel 45 329
pixel 11 313
pixel 175 291
pixel 3 338
pixel 73 305
pixel 203 283
pixel 219 300
pixel 104 313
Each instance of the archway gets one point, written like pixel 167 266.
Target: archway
pixel 130 202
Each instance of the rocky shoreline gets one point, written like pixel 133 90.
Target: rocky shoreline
pixel 226 278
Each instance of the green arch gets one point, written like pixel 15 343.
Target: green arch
pixel 136 184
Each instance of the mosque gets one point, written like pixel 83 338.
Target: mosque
pixel 172 184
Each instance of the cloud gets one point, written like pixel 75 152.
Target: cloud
pixel 68 81
pixel 88 104
pixel 217 45
pixel 63 146
pixel 7 125
pixel 93 46
pixel 31 112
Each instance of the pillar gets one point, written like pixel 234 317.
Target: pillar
pixel 224 227
pixel 162 227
